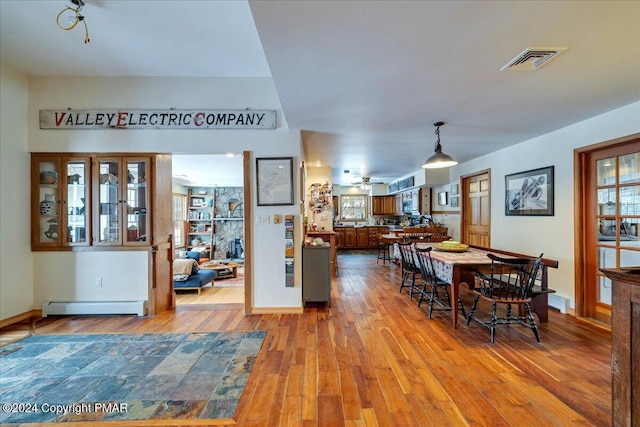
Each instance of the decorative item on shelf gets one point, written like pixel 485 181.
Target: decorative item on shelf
pixel 132 233
pixel 48 177
pixel 130 178
pixel 73 179
pixel 48 205
pixel 108 178
pixel 195 242
pixel 52 232
pixel 202 192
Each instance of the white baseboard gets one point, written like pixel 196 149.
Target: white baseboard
pixel 559 303
pixel 94 307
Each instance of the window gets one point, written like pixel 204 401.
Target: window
pixel 179 220
pixel 353 208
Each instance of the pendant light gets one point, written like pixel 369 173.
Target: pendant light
pixel 439 159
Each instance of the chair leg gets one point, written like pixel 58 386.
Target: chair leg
pixel 494 319
pixel 432 297
pixel 461 308
pixel 532 322
pixel 473 309
pixel 422 292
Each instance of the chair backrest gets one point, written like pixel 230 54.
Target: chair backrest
pixel 425 264
pixel 511 279
pixel 406 256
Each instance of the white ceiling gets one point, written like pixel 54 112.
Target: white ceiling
pixel 364 80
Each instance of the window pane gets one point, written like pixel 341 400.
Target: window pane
pixel 607 201
pixel 604 290
pixel 606 171
pixel 629 168
pixel 607 231
pixel 630 200
pixel 629 228
pixel 353 208
pixel 629 258
pixel 606 258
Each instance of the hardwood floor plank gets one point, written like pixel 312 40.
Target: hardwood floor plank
pixel 374 359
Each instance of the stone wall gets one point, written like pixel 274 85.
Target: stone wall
pixel 229 220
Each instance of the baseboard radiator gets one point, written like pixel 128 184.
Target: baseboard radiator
pixel 559 303
pixel 94 307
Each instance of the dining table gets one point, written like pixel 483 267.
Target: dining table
pixel 457 267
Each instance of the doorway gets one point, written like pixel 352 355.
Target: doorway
pixel 213 223
pixel 476 209
pixel 608 226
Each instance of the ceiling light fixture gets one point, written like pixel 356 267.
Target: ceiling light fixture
pixel 439 159
pixel 366 183
pixel 69 17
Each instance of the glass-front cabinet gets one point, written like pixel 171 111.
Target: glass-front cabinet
pixel 60 199
pixel 90 200
pixel 122 201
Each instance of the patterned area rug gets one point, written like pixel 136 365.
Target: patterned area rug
pixel 62 378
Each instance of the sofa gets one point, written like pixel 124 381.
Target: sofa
pixel 187 274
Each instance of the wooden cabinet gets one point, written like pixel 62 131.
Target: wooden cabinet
pixel 121 201
pixel 625 347
pixel 340 237
pixel 97 200
pixel 362 237
pixel 60 199
pixel 316 274
pixel 377 205
pixel 350 237
pixel 374 236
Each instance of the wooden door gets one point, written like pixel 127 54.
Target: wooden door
pixel 612 221
pixel 476 209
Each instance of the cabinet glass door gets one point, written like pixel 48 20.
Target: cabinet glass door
pixel 109 199
pixel 76 203
pixel 137 220
pixel 48 198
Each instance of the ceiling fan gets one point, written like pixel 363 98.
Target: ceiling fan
pixel 365 182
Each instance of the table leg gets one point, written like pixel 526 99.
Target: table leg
pixel 234 270
pixel 455 291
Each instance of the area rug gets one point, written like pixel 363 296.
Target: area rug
pixel 66 378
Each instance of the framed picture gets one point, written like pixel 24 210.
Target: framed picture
pixel 198 202
pixel 274 181
pixel 454 202
pixel 442 199
pixel 454 191
pixel 529 193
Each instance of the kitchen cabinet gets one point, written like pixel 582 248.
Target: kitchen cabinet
pixel 374 236
pixel 362 237
pixel 350 237
pixel 377 205
pixel 121 196
pixel 340 239
pixel 60 201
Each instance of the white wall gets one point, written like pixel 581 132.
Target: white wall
pixel 16 262
pixel 158 93
pixel 553 235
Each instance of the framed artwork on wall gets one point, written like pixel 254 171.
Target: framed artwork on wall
pixel 442 198
pixel 454 189
pixel 530 193
pixel 454 202
pixel 274 181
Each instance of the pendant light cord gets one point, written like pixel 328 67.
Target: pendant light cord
pixel 79 18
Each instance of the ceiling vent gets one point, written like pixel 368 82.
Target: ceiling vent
pixel 533 58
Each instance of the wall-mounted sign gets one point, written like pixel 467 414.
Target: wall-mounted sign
pixel 157 119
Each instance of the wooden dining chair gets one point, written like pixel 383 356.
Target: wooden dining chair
pixel 409 268
pixel 510 282
pixel 432 286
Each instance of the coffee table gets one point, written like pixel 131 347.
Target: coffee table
pixel 218 266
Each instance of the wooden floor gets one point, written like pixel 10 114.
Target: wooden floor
pixel 374 358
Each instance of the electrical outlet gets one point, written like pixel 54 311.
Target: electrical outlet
pixel 99 282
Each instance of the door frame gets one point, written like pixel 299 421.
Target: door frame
pixel 581 182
